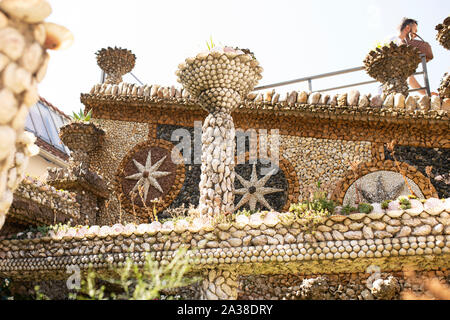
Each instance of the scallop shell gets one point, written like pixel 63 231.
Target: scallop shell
pixel 434 206
pixel 375 215
pixel 30 11
pixel 224 226
pixel 57 37
pixel 394 213
pixel 357 216
pixel 338 217
pixel 416 208
pixel 447 204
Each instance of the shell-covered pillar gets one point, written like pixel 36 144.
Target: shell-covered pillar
pixel 392 65
pixel 90 188
pixel 219 80
pixel 220 285
pixel 24 38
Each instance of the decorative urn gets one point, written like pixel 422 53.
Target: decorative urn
pixel 219 79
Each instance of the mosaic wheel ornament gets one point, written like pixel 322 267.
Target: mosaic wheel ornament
pixel 276 189
pixel 420 183
pixel 147 173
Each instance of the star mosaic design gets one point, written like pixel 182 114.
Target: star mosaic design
pixel 381 192
pixel 254 190
pixel 147 175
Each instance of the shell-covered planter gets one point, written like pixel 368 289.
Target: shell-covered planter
pixel 219 80
pixel 115 62
pixel 81 136
pixel 443 33
pixel 216 72
pixel 392 65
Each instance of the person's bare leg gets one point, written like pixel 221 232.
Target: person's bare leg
pixel 415 85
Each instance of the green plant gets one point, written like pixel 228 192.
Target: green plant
pixel 244 212
pixel 81 117
pixel 210 44
pixel 5 292
pixel 314 210
pixel 404 203
pixel 365 208
pixel 134 283
pixel 39 294
pixel 385 204
pixel 307 216
pixel 347 209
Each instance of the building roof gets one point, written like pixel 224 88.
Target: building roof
pixel 44 121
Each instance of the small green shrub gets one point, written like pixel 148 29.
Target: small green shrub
pixel 134 283
pixel 347 209
pixel 365 208
pixel 81 117
pixel 385 204
pixel 404 203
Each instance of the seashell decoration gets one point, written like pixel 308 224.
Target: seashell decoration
pixel 115 62
pixel 392 65
pixel 24 38
pixel 219 80
pixel 443 35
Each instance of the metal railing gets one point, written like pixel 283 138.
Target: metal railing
pixel 326 75
pixel 103 77
pixel 335 73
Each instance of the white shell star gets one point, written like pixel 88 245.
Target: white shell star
pixel 148 175
pixel 254 190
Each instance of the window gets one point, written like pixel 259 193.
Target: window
pixel 29 126
pixel 39 125
pixel 50 125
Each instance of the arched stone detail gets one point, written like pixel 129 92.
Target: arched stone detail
pixel 365 168
pixel 170 192
pixel 293 189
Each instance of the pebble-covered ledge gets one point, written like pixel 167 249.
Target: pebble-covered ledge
pixel 263 243
pixel 352 103
pixel 37 203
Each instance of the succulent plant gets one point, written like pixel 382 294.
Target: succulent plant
pixel 81 117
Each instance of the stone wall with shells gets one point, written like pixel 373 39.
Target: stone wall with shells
pixel 38 204
pixel 343 286
pixel 263 243
pixel 316 131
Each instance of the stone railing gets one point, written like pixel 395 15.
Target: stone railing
pixel 263 243
pixel 36 203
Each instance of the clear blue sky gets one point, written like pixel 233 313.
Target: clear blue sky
pixel 291 39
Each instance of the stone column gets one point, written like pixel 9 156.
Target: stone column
pixel 82 139
pixel 218 148
pixel 219 80
pixel 24 38
pixel 220 285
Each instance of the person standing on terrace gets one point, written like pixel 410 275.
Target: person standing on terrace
pixel 408 31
